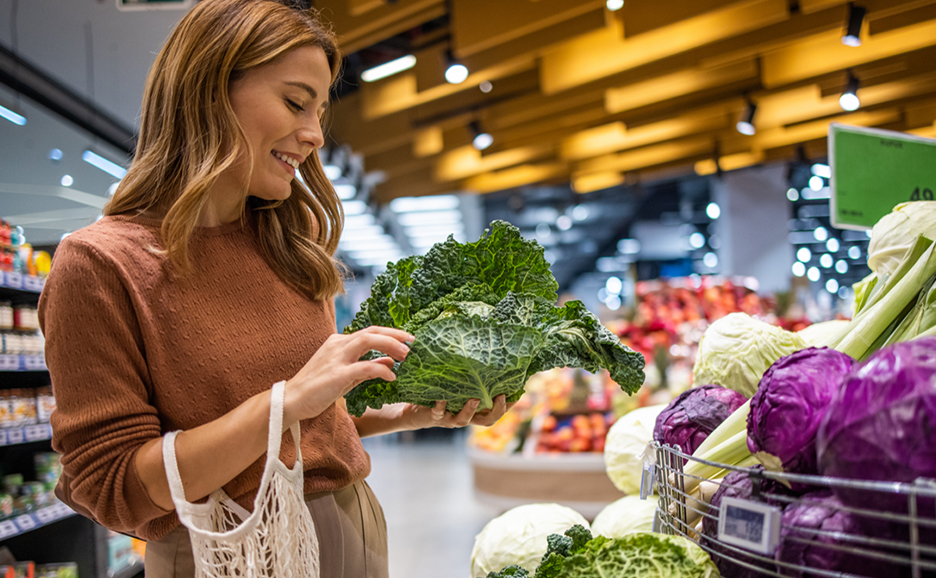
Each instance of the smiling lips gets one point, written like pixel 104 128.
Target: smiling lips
pixel 286 159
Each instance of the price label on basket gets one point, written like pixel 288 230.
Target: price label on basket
pixel 874 170
pixel 749 525
pixel 646 480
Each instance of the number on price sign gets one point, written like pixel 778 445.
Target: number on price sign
pixel 25 523
pixel 14 280
pixel 46 515
pixel 749 525
pixel 925 194
pixel 15 435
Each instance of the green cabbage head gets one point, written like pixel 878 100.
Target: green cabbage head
pixel 628 515
pixel 737 349
pixel 485 320
pixel 643 555
pixel 894 235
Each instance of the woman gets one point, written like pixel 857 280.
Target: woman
pixel 210 278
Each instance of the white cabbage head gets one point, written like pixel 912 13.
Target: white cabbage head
pixel 893 236
pixel 736 351
pixel 519 537
pixel 625 445
pixel 628 515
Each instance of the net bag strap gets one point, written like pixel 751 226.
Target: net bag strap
pixel 187 511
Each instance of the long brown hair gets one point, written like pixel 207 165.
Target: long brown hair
pixel 189 136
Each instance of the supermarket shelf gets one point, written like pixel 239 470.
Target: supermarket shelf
pixel 22 363
pixel 28 522
pixel 566 462
pixel 128 571
pixel 23 435
pixel 20 282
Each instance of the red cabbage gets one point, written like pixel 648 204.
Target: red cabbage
pixel 739 485
pixel 791 400
pixel 820 511
pixel 692 416
pixel 881 426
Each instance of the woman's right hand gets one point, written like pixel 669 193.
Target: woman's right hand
pixel 335 369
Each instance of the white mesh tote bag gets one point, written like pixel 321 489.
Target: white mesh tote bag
pixel 276 540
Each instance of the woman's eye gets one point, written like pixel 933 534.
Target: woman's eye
pixel 294 105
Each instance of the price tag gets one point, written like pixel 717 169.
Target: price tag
pixel 32 362
pixel 13 280
pixel 646 480
pixel 7 529
pixel 46 515
pixel 25 523
pixel 35 433
pixel 874 170
pixel 31 283
pixel 15 436
pixel 749 525
pixel 9 362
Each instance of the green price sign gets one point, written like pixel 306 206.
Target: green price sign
pixel 875 170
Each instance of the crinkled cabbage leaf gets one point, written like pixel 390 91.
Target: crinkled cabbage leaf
pixel 485 320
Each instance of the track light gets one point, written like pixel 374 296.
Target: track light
pixel 482 140
pixel 849 100
pixel 389 68
pixel 852 36
pixel 746 124
pixel 456 73
pixel 12 116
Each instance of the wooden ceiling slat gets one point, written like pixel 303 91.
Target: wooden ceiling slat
pixel 640 16
pixel 606 52
pixel 358 31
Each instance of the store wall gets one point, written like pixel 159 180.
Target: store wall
pixel 754 225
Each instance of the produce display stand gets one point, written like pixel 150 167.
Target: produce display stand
pixel 578 481
pixel 909 546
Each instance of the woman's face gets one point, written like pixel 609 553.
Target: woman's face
pixel 280 107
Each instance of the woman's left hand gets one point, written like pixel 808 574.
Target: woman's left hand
pixel 420 417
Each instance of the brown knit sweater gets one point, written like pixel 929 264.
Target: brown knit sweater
pixel 135 351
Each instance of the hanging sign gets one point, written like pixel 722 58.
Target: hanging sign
pixel 875 170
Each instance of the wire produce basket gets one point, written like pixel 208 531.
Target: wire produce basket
pixel 796 525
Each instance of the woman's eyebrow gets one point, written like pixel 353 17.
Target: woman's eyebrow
pixel 304 87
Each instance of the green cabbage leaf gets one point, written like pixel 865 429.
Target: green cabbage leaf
pixel 485 320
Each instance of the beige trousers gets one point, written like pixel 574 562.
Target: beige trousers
pixel 351 528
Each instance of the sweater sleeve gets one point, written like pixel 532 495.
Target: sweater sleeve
pixel 95 355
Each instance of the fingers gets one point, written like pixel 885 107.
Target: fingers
pixel 467 412
pixel 438 410
pixel 397 334
pixel 373 369
pixel 491 416
pixel 362 342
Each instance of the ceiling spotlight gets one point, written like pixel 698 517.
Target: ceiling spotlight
pixel 614 5
pixel 482 139
pixel 486 86
pixel 852 36
pixel 456 73
pixel 849 100
pixel 746 124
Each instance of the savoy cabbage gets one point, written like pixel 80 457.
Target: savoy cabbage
pixel 485 320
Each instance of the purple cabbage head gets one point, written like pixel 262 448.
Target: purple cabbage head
pixel 791 400
pixel 802 545
pixel 692 416
pixel 739 485
pixel 881 426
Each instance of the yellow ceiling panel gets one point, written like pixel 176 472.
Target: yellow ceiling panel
pixel 515 177
pixel 614 137
pixel 467 162
pixel 825 53
pixel 648 156
pixel 428 142
pixel 784 136
pixel 483 24
pixel 605 52
pixel 360 24
pixel 810 6
pixel 674 85
pixel 597 182
pixel 640 16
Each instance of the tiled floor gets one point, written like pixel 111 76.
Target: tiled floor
pixel 425 488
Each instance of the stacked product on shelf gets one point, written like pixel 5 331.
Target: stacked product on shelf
pixel 34 525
